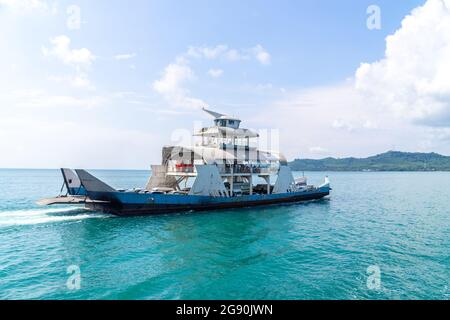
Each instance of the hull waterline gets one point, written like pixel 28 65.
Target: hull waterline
pixel 139 209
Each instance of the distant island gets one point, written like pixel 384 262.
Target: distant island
pixel 389 161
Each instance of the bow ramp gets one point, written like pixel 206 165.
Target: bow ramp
pixel 77 185
pixel 91 183
pixel 72 183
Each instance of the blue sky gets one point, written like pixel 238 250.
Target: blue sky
pixel 110 91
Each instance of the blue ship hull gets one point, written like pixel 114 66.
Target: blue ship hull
pixel 130 203
pixel 83 188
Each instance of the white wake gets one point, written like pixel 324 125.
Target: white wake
pixel 47 215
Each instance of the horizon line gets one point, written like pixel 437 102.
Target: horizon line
pixel 295 159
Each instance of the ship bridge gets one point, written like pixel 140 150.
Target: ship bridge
pixel 226 132
pixel 224 121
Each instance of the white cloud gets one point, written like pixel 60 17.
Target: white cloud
pixel 207 52
pixel 80 59
pixel 438 134
pixel 413 79
pixel 369 124
pixel 338 119
pixel 264 87
pixel 319 151
pixel 215 73
pixel 171 85
pixel 125 56
pixel 176 75
pixel 354 124
pixel 400 102
pixel 261 55
pixel 230 54
pixel 61 50
pixel 80 80
pixel 29 6
pixel 235 55
pixel 35 98
pixel 342 124
pixel 45 142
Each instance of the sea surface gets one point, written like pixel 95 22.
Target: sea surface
pixel 379 236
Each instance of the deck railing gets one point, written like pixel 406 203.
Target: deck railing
pixel 223 169
pixel 180 168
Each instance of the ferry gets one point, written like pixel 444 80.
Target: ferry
pixel 224 170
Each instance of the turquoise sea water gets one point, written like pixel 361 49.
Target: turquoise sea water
pixel 397 222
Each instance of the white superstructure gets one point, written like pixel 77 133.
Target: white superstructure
pixel 224 163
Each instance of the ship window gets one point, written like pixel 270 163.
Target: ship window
pixel 231 122
pixel 223 123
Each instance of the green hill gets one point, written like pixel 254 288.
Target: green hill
pixel 389 161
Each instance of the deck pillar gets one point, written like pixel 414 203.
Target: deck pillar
pixel 250 179
pixel 232 181
pixel 267 178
